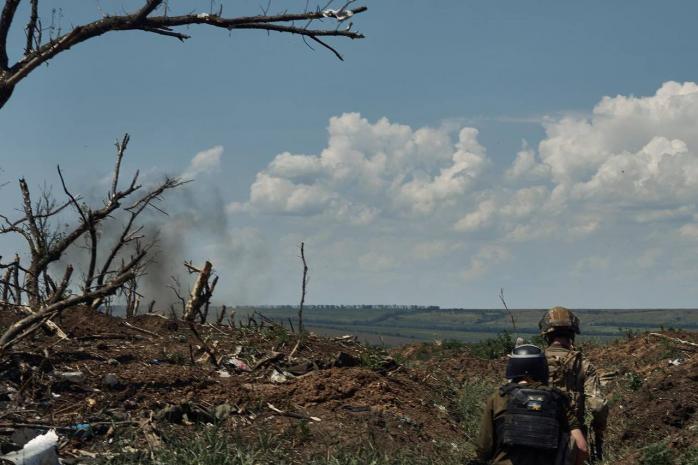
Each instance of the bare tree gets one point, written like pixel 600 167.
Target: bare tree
pixel 109 269
pixel 304 286
pixel 155 17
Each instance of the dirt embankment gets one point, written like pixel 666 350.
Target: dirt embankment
pixel 124 379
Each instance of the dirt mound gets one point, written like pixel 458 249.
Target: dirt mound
pixel 652 386
pixel 114 375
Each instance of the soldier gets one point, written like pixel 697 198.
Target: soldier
pixel 572 374
pixel 526 422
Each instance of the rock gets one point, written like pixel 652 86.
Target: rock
pixel 112 381
pixel 113 361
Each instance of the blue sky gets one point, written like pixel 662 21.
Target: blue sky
pixel 532 71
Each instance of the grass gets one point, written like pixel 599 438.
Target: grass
pixel 657 454
pixel 213 447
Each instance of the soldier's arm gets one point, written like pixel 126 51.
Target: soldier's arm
pixel 596 403
pixel 485 440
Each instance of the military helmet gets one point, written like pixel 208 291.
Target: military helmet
pixel 558 318
pixel 527 361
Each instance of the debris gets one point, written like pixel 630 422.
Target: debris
pixel 150 433
pixel 83 430
pixel 223 373
pixel 112 381
pixel 140 330
pixel 277 377
pixel 299 416
pixel 345 360
pixel 674 339
pixel 676 362
pixel 222 411
pixel 300 369
pixel 39 451
pixel 274 357
pixel 238 364
pixel 76 377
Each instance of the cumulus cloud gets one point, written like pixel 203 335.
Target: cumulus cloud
pixel 203 162
pixel 486 258
pixel 628 169
pixel 371 168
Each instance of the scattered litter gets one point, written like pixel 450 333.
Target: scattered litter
pixel 277 377
pixel 223 373
pixel 39 451
pixel 676 362
pixel 238 364
pixel 83 430
pixel 76 377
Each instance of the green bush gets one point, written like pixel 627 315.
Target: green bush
pixel 495 347
pixel 657 454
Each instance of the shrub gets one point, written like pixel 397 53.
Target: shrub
pixel 634 380
pixel 495 347
pixel 657 454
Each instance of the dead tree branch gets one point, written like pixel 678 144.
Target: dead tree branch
pixel 304 284
pixel 47 296
pixel 145 19
pixel 198 296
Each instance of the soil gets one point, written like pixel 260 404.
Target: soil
pixel 154 374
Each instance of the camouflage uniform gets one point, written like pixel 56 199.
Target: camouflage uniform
pixel 577 377
pixel 574 375
pixel 487 445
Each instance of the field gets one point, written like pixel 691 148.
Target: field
pixel 395 326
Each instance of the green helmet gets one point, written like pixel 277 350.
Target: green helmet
pixel 558 318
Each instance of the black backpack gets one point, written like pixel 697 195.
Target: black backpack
pixel 531 419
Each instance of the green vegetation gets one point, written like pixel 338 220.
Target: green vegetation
pixel 470 403
pixel 495 347
pixel 634 381
pixel 214 447
pixel 402 326
pixel 657 454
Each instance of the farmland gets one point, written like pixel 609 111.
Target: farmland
pixel 400 325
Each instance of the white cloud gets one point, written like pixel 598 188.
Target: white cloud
pixel 203 162
pixel 369 168
pixel 488 257
pixel 593 263
pixel 627 171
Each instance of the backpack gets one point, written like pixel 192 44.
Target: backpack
pixel 565 375
pixel 531 418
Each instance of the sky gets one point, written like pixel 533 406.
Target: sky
pixel 547 148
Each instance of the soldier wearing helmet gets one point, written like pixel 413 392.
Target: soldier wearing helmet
pixel 572 374
pixel 526 422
